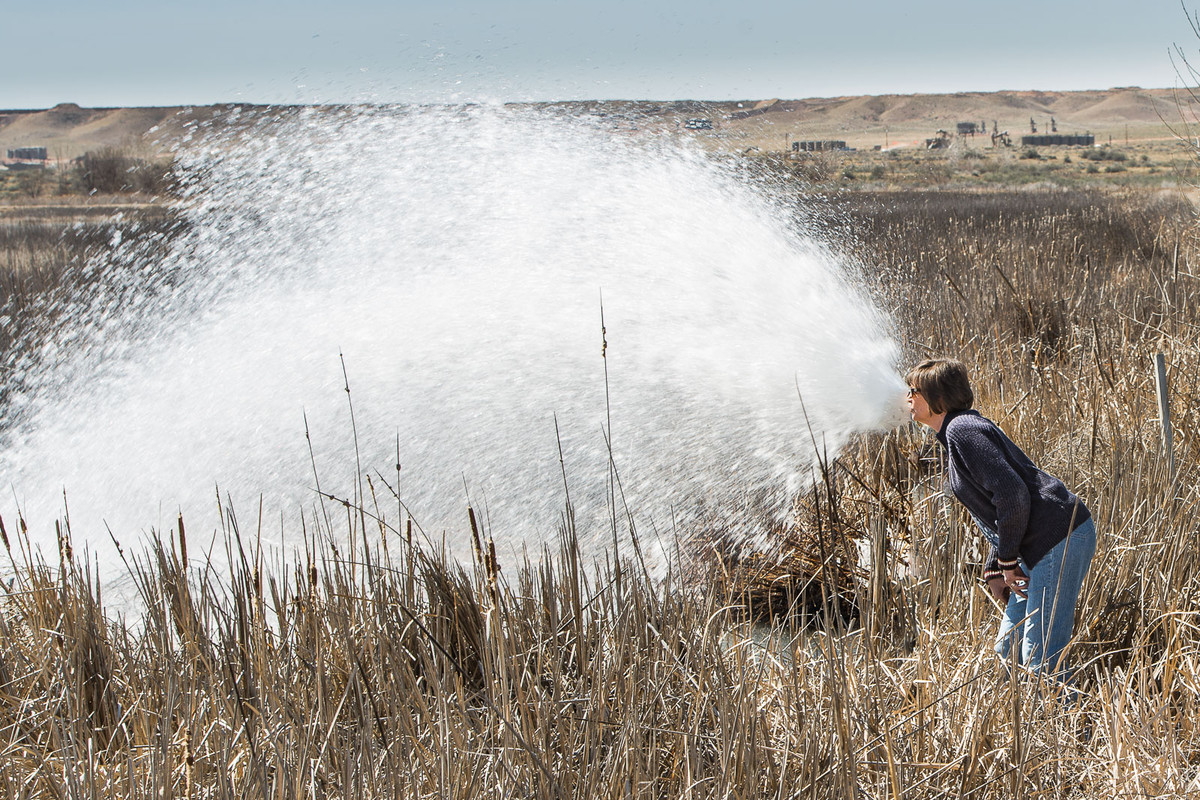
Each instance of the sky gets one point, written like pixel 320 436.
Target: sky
pixel 136 52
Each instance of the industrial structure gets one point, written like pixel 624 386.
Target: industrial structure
pixel 819 146
pixel 941 141
pixel 28 154
pixel 1049 139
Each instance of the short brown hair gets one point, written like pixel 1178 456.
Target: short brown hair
pixel 944 384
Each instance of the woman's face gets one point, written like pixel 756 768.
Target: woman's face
pixel 918 408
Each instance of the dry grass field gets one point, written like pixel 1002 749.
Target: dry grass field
pixel 1146 164
pixel 375 668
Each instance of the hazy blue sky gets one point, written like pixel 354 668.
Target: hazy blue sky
pixel 136 52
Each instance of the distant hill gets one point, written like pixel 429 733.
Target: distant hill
pixel 68 131
pixel 1110 106
pixel 907 119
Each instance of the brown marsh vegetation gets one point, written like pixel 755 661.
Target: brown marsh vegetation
pixel 375 668
pixel 46 251
pixel 1146 164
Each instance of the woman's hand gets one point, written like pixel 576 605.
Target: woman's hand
pixel 1016 580
pixel 999 589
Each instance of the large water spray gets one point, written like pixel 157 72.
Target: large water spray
pixel 452 265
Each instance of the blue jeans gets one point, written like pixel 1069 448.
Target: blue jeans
pixel 1045 620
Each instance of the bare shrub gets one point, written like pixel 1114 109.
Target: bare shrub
pixel 113 170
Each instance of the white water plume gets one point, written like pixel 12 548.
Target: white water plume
pixel 458 259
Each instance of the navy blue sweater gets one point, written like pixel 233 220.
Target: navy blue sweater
pixel 1028 510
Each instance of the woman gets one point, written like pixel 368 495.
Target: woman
pixel 1042 535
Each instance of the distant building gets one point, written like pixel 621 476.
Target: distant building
pixel 819 146
pixel 698 124
pixel 28 154
pixel 1050 139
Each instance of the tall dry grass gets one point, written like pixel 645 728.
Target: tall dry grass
pixel 50 253
pixel 370 666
